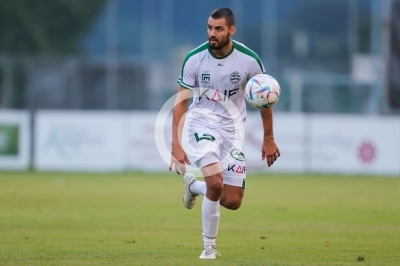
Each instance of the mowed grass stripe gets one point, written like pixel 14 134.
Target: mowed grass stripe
pixel 139 219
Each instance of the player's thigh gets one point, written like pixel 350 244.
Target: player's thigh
pixel 234 179
pixel 234 172
pixel 204 146
pixel 233 163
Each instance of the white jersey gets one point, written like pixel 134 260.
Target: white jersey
pixel 218 85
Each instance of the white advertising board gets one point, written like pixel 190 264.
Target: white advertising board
pixel 14 140
pixel 119 141
pixel 355 144
pixel 81 141
pixel 289 136
pixel 143 152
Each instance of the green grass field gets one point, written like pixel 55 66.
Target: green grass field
pixel 139 219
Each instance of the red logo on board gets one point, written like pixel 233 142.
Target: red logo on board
pixel 367 152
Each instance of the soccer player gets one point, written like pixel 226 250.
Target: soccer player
pixel 216 74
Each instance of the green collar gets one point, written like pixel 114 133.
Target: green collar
pixel 216 57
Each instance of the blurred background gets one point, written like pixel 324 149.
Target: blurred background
pixel 336 57
pixel 330 56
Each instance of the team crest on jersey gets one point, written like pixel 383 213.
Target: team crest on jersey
pixel 234 77
pixel 205 77
pixel 237 155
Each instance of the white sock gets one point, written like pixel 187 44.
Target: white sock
pixel 198 187
pixel 210 214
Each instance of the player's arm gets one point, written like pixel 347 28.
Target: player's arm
pixel 178 155
pixel 269 150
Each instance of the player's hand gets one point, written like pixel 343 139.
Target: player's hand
pixel 270 151
pixel 178 160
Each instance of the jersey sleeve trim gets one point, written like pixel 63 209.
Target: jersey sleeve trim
pixel 197 50
pixel 249 52
pixel 184 85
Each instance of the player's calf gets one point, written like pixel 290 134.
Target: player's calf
pixel 231 204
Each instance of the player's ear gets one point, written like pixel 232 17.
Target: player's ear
pixel 232 30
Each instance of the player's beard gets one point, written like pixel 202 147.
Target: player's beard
pixel 220 44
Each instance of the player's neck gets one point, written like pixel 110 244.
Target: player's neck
pixel 224 51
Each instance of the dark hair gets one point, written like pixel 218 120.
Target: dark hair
pixel 226 13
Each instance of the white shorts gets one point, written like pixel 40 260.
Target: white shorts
pixel 210 146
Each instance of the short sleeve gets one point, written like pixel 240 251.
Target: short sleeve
pixel 256 67
pixel 187 78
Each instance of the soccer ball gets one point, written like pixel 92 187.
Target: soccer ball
pixel 262 91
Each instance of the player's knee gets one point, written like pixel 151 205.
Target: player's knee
pixel 231 204
pixel 214 188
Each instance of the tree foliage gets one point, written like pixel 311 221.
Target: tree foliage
pixel 45 26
